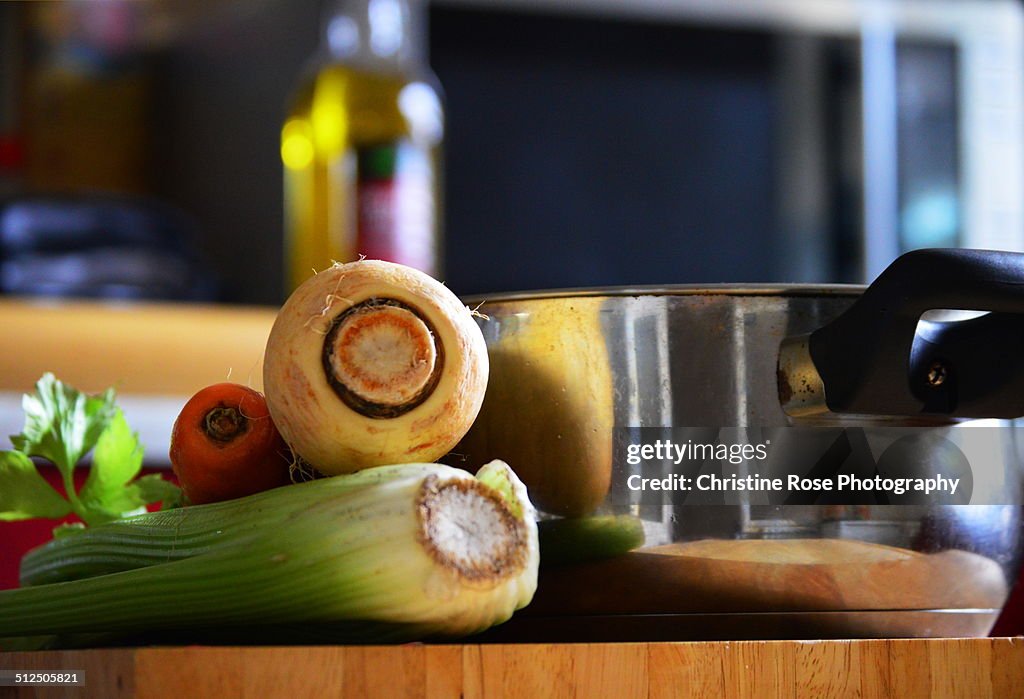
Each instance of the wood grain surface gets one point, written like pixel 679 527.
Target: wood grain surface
pixel 719 575
pixel 140 348
pixel 970 668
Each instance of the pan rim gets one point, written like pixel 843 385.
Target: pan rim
pixel 776 290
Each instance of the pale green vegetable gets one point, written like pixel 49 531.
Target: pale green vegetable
pixel 570 541
pixel 405 552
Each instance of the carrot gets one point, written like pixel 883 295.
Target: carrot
pixel 224 445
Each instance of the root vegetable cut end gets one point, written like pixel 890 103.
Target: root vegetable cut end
pixel 224 423
pixel 468 528
pixel 382 358
pixel 393 368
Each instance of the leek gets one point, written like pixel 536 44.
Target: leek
pixel 399 552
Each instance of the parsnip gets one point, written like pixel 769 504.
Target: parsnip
pixel 371 363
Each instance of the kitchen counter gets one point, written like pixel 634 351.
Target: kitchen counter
pixel 975 668
pixel 156 355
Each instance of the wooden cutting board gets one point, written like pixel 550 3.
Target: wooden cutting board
pixel 968 668
pixel 771 576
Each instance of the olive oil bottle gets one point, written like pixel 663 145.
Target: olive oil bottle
pixel 361 144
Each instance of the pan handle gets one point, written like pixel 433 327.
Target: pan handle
pixel 875 359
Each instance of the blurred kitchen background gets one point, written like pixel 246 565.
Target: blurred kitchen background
pixel 586 142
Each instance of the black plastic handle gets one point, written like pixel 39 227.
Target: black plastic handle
pixel 874 360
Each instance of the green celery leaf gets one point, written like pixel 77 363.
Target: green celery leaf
pixel 68 529
pixel 116 460
pixel 154 488
pixel 61 423
pixel 24 494
pixel 110 491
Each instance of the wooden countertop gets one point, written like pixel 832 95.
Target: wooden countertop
pixel 974 668
pixel 139 348
pixel 155 355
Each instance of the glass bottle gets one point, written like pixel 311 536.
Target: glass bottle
pixel 361 144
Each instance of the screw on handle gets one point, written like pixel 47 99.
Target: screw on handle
pixel 874 359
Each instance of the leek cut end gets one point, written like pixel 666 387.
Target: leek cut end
pixel 469 529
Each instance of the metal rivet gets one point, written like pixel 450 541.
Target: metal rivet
pixel 938 372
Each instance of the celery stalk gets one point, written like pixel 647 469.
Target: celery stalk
pixel 171 535
pixel 419 550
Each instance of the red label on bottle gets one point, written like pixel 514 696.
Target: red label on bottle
pixel 394 206
pixel 376 205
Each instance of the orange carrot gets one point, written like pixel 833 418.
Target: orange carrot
pixel 224 445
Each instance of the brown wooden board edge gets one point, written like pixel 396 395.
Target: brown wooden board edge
pixel 975 668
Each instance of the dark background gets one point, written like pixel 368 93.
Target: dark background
pixel 578 151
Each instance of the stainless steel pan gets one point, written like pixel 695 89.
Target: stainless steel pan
pixel 572 372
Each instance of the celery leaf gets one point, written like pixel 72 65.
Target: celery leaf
pixel 156 488
pixel 116 460
pixel 67 529
pixel 24 493
pixel 63 424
